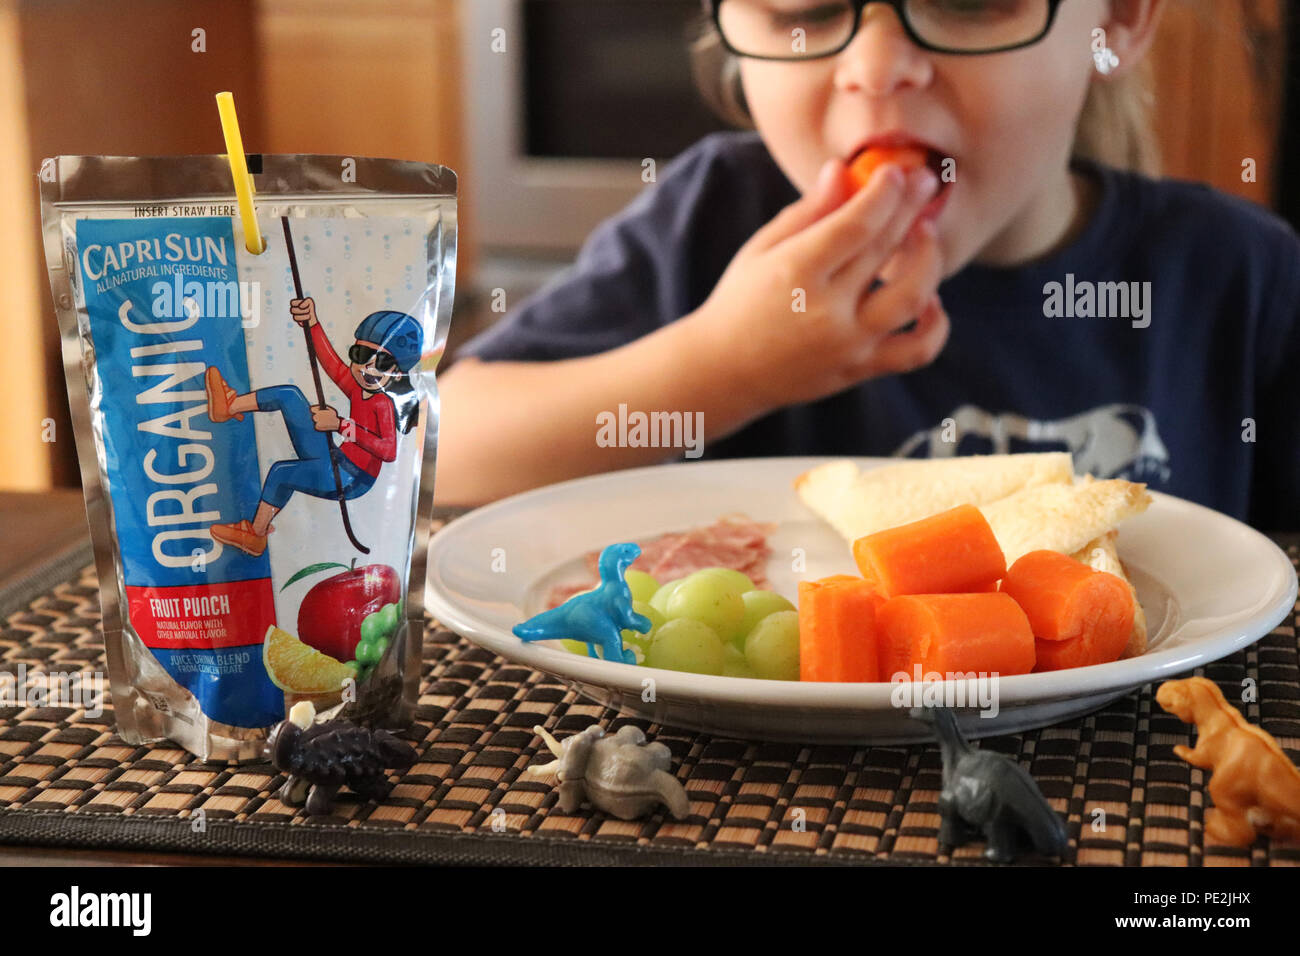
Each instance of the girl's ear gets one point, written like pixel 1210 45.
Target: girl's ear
pixel 1129 31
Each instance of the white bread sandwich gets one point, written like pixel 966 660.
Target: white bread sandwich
pixel 1062 518
pixel 857 503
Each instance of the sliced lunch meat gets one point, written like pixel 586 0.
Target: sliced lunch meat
pixel 733 542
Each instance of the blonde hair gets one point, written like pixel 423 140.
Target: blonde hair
pixel 1115 125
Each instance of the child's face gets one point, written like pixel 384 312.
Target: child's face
pixel 1007 119
pixel 368 375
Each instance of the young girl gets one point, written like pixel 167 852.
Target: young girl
pixel 1028 297
pixel 387 347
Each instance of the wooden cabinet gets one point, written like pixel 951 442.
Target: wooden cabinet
pixel 122 78
pixel 26 461
pixel 363 77
pixel 1218 68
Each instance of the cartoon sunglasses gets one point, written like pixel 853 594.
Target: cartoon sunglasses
pixel 363 354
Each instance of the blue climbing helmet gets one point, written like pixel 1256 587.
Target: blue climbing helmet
pixel 397 333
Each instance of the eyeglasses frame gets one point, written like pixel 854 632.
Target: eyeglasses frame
pixel 713 8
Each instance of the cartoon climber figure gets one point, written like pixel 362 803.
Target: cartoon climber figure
pixel 387 347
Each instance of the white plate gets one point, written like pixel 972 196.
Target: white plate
pixel 1210 586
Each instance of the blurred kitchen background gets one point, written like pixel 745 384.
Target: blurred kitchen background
pixel 546 108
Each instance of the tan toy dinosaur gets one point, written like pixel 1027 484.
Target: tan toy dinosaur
pixel 1253 784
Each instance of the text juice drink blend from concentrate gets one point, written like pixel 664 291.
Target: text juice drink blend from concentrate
pixel 257 433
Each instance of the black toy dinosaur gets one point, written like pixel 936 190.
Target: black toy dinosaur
pixel 987 792
pixel 322 758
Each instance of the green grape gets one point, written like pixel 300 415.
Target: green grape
pixel 741 669
pixel 734 663
pixel 758 605
pixel 642 585
pixel 686 645
pixel 772 647
pixel 381 647
pixel 741 581
pixel 635 638
pixel 580 648
pixel 711 599
pixel 368 652
pixel 659 601
pixel 387 619
pixel 371 628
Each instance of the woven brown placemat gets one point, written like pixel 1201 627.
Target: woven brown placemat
pixel 66 779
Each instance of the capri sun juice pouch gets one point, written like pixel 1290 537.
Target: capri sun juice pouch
pixel 257 433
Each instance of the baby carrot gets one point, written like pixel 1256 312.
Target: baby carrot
pixel 1063 597
pixel 1079 615
pixel 952 634
pixel 860 170
pixel 837 629
pixel 948 553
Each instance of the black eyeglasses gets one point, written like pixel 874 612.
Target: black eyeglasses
pixel 812 29
pixel 361 354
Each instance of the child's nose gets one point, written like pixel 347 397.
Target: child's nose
pixel 881 57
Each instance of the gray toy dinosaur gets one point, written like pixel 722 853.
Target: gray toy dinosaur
pixel 620 774
pixel 990 793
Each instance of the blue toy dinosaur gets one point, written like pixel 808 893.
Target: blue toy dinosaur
pixel 598 616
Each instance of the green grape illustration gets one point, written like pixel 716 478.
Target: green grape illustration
pixel 377 630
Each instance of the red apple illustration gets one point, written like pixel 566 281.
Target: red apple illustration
pixel 330 616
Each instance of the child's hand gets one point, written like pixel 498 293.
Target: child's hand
pixel 795 315
pixel 303 311
pixel 325 418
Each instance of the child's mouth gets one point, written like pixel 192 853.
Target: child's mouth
pixel 936 205
pixel 942 165
pixel 371 380
pixel 944 168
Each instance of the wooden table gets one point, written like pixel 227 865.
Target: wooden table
pixel 38 527
pixel 872 797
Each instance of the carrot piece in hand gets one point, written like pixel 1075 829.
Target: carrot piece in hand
pixel 1079 615
pixel 868 161
pixel 953 552
pixel 954 634
pixel 837 629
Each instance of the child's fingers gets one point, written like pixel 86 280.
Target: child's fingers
pixel 918 269
pixel 889 271
pixel 915 349
pixel 828 193
pixel 867 228
pixel 860 270
pixel 844 233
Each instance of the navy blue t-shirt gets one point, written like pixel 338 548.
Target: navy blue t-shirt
pixel 1190 389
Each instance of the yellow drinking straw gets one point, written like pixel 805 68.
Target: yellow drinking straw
pixel 239 173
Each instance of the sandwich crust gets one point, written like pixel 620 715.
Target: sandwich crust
pixel 857 503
